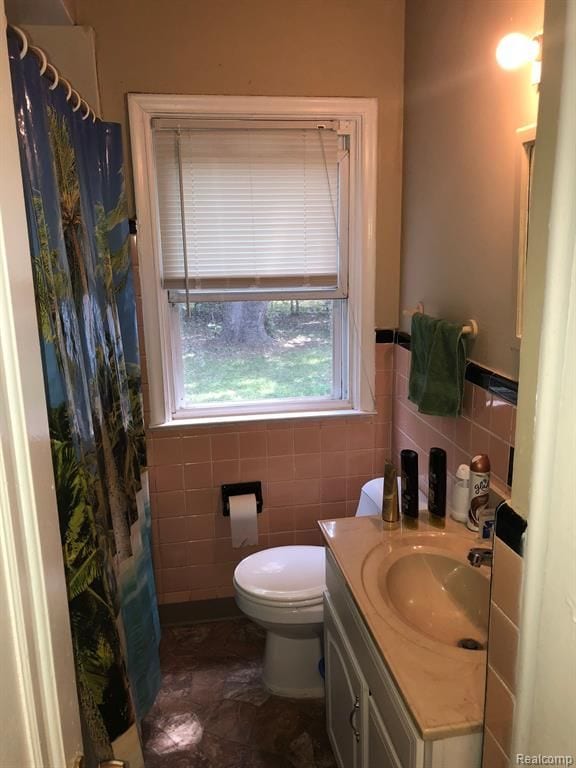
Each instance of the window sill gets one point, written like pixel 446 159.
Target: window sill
pixel 204 421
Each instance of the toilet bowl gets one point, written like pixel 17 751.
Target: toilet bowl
pixel 282 590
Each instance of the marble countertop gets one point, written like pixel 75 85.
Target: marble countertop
pixel 442 686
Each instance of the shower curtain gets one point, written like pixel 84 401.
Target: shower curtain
pixel 85 305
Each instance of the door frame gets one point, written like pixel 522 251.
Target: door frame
pixel 39 707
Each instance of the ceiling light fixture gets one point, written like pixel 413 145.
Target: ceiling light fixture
pixel 515 50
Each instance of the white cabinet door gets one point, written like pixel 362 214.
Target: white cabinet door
pixel 379 750
pixel 345 696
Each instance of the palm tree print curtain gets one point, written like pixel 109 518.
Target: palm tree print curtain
pixel 80 244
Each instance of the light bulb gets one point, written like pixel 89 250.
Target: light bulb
pixel 516 49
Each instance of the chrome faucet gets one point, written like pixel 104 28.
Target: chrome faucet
pixel 479 556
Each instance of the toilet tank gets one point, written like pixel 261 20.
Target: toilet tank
pixel 370 502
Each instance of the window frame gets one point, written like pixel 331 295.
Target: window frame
pixel 359 118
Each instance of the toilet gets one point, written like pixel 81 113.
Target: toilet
pixel 282 589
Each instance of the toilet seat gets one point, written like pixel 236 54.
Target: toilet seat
pixel 291 576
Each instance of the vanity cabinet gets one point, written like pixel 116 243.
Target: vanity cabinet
pixel 368 723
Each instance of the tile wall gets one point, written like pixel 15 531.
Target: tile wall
pixel 502 651
pixel 487 425
pixel 310 470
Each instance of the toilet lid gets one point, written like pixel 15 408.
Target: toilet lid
pixel 284 574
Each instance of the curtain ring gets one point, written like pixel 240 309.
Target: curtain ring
pixel 94 118
pixel 84 117
pixel 42 56
pixel 77 107
pixel 24 40
pixel 55 75
pixel 68 88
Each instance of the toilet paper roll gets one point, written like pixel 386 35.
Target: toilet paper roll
pixel 243 520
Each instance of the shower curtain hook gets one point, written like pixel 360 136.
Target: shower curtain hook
pixel 94 118
pixel 77 107
pixel 42 56
pixel 68 87
pixel 84 117
pixel 55 75
pixel 24 40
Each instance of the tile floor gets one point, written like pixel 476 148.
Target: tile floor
pixel 213 711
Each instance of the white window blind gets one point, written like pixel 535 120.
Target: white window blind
pixel 249 208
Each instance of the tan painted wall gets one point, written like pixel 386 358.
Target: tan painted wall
pixel 259 47
pixel 459 232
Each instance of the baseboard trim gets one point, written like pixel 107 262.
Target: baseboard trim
pixel 172 614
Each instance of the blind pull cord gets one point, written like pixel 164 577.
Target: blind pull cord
pixel 183 222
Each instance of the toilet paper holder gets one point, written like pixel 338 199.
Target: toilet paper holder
pixel 239 489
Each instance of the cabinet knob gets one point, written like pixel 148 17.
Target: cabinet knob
pixel 352 717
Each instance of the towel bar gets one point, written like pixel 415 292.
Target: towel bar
pixel 471 327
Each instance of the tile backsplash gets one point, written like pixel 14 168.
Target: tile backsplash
pixel 310 470
pixel 487 425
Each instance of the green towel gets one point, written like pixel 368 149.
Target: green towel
pixel 438 365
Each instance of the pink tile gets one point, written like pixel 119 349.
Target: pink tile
pixel 169 478
pixel 384 382
pixel 204 501
pixel 444 425
pixel 499 710
pixel 333 510
pixel 282 539
pixel 280 494
pixel 195 595
pixel 333 438
pixel 252 445
pixel 479 440
pixel 253 469
pixel 175 555
pixel 360 463
pixel 307 516
pixel 225 472
pixel 150 458
pixel 481 407
pixel 225 447
pixel 384 407
pixel 196 449
pixel 281 519
pixel 306 491
pixel 169 504
pixel 381 456
pixel 501 418
pixel 499 454
pixel 177 579
pixel 334 464
pixel 168 451
pixel 281 467
pixel 402 360
pixel 172 529
pixel 201 552
pixel 468 400
pixel 384 358
pixel 201 527
pixel 462 432
pixel 383 435
pixel 401 387
pixel 280 442
pixel 333 489
pixel 307 440
pixel 198 475
pixel 360 435
pixel 307 465
pixel 308 538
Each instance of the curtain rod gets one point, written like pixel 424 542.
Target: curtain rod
pixel 46 66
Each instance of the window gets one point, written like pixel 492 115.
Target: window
pixel 256 220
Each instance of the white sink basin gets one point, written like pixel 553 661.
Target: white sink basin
pixel 426 583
